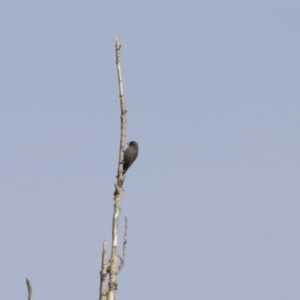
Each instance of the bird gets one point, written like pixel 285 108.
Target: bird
pixel 130 155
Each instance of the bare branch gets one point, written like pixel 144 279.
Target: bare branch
pixel 113 269
pixel 103 273
pixel 123 112
pixel 123 259
pixel 29 288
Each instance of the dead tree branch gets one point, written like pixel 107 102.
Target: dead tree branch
pixel 103 273
pixel 112 285
pixel 108 293
pixel 29 288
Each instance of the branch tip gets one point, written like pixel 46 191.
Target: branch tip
pixel 29 288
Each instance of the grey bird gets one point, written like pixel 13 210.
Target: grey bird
pixel 130 155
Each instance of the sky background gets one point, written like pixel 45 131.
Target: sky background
pixel 213 93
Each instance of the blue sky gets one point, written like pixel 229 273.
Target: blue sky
pixel 212 89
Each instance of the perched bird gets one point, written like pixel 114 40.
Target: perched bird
pixel 130 155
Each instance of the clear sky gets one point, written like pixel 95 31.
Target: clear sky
pixel 212 89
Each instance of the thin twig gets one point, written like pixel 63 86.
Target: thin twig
pixel 123 259
pixel 103 273
pixel 29 288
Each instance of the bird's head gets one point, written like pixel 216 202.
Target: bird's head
pixel 133 143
